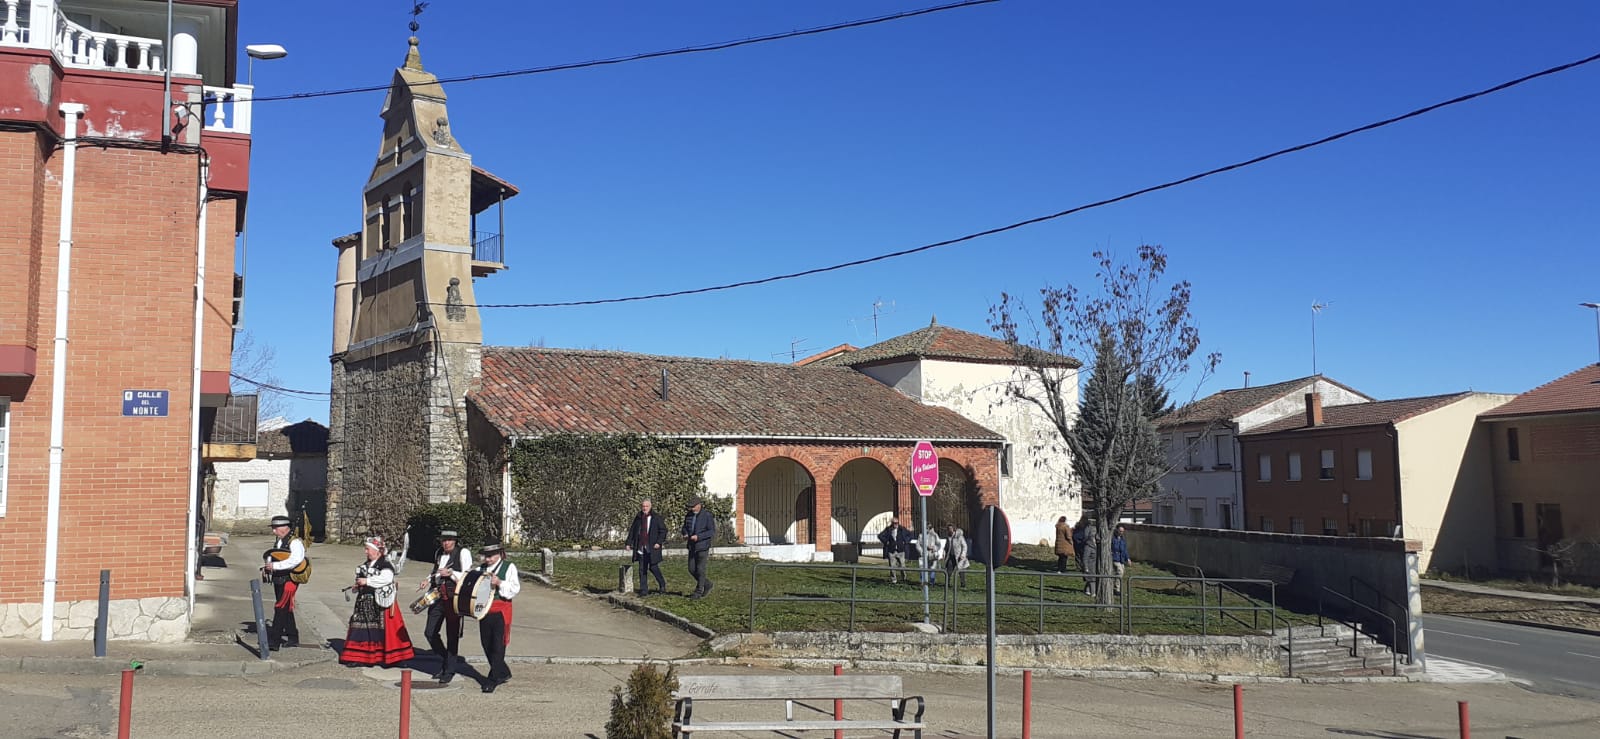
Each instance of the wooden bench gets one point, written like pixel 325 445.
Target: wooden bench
pixel 695 689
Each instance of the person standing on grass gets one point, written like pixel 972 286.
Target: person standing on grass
pixel 955 555
pixel 1064 545
pixel 932 553
pixel 645 536
pixel 699 530
pixel 896 541
pixel 1119 558
pixel 1090 563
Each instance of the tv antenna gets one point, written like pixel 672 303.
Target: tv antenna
pixel 795 349
pixel 879 308
pixel 1317 307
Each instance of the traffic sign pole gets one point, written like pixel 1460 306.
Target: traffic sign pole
pixel 924 478
pixel 923 555
pixel 988 594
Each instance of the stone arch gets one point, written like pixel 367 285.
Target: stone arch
pixel 779 501
pixel 864 500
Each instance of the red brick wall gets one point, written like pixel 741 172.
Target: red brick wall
pixel 823 461
pixel 1311 499
pixel 21 179
pixel 126 481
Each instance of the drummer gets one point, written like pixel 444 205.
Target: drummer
pixel 494 629
pixel 449 567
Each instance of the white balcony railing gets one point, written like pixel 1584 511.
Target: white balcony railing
pixel 75 45
pixel 14 32
pixel 228 108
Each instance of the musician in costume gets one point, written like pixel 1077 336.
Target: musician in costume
pixel 283 632
pixel 494 629
pixel 645 536
pixel 377 633
pixel 450 565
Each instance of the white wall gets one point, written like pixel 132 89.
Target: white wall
pixel 1294 402
pixel 225 496
pixel 903 376
pixel 722 473
pixel 1447 483
pixel 1040 487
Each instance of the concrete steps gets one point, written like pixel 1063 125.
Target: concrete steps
pixel 1337 650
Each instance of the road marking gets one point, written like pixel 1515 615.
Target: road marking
pixel 1581 654
pixel 1480 638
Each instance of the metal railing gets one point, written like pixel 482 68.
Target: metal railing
pixel 1356 630
pixel 232 423
pixel 487 247
pixel 1382 599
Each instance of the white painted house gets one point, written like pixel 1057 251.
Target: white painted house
pixel 290 469
pixel 1204 484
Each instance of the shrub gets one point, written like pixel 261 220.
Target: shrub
pixel 425 523
pixel 644 709
pixel 587 487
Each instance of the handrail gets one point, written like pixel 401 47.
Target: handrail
pixel 1404 608
pixel 1394 630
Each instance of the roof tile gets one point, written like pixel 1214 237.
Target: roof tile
pixel 938 342
pixel 1229 404
pixel 1362 414
pixel 1574 392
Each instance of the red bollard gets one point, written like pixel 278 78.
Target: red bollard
pixel 1238 711
pixel 838 706
pixel 1027 704
pixel 405 705
pixel 125 711
pixel 1466 721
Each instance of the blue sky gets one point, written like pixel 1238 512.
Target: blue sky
pixel 1454 248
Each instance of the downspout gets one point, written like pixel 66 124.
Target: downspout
pixel 58 368
pixel 192 553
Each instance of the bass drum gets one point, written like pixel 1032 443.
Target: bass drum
pixel 475 595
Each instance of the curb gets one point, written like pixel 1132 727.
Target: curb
pixel 1552 627
pixel 158 666
pixel 630 604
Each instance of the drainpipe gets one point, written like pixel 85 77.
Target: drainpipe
pixel 194 397
pixel 58 368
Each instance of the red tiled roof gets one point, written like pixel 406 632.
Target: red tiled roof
pixel 1362 414
pixel 941 342
pixel 826 353
pixel 534 391
pixel 1576 392
pixel 1229 404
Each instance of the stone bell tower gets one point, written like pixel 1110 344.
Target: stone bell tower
pixel 407 339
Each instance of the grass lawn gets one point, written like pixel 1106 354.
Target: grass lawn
pixel 821 598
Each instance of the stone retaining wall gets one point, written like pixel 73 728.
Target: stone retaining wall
pixel 1230 655
pixel 161 620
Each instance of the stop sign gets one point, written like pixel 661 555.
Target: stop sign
pixel 924 468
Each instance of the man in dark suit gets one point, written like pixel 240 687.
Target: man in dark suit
pixel 700 530
pixel 645 537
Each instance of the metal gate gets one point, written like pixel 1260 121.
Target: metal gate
pixel 779 498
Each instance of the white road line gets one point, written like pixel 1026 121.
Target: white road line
pixel 1581 654
pixel 1469 636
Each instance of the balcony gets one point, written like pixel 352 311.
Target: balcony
pixel 228 433
pixel 488 248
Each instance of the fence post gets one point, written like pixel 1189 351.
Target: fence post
pixel 1203 606
pixel 1041 603
pixel 261 619
pixel 1466 722
pixel 753 567
pixel 1027 704
pixel 125 709
pixel 853 570
pixel 838 706
pixel 1238 711
pixel 547 562
pixel 405 704
pixel 101 621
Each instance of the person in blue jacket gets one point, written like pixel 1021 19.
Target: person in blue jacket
pixel 1119 558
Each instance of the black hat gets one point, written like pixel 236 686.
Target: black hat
pixel 447 534
pixel 280 521
pixel 696 500
pixel 489 549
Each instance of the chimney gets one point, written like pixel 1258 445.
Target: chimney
pixel 1313 409
pixel 663 383
pixel 1247 378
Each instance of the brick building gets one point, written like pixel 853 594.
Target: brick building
pixel 114 385
pixel 1364 469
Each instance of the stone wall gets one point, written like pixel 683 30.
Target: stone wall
pixel 161 620
pixel 1229 655
pixel 378 441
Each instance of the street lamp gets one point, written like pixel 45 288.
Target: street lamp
pixel 263 52
pixel 1596 308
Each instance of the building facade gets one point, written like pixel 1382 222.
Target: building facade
pixel 1416 466
pixel 289 475
pixel 1204 483
pixel 407 338
pixel 117 231
pixel 1546 449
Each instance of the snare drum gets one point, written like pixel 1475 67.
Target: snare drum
pixel 475 595
pixel 426 600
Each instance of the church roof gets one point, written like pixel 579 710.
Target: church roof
pixel 940 342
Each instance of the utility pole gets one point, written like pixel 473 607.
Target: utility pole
pixel 1596 308
pixel 1316 309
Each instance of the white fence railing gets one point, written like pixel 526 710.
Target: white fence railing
pixel 75 45
pixel 228 108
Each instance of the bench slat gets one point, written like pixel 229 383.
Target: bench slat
pixel 789 687
pixel 797 726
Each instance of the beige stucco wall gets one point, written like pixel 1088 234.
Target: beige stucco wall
pixel 1559 463
pixel 1447 484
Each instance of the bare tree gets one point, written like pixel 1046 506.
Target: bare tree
pixel 256 361
pixel 1142 337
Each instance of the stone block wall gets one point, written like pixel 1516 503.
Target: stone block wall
pixel 161 620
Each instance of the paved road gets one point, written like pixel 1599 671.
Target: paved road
pixel 1553 661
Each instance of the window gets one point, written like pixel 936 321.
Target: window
pixel 1363 464
pixel 1330 527
pixel 1266 524
pixel 1223 444
pixel 1294 466
pixel 1518 529
pixel 1191 450
pixel 1297 525
pixel 1327 465
pixel 1197 516
pixel 408 212
pixel 1264 461
pixel 5 438
pixel 1225 514
pixel 386 227
pixel 254 494
pixel 1166 447
pixel 1168 515
pixel 1005 460
pixel 1513 446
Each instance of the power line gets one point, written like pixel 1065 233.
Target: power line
pixel 1062 214
pixel 719 46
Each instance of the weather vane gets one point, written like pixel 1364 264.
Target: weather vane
pixel 416 10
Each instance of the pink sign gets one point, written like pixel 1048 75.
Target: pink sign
pixel 924 468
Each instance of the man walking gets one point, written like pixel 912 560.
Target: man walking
pixel 1119 558
pixel 494 629
pixel 700 530
pixel 896 540
pixel 450 564
pixel 645 536
pixel 284 632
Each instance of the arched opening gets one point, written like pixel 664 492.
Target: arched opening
pixel 863 500
pixel 955 500
pixel 779 497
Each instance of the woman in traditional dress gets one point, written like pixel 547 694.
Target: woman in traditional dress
pixel 377 633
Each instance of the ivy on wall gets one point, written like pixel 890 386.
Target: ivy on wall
pixel 587 487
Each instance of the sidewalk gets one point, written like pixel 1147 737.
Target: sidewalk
pixel 1467 587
